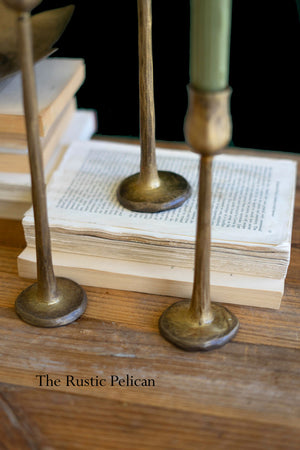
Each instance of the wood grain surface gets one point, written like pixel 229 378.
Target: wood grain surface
pixel 245 395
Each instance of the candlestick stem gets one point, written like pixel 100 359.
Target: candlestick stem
pixel 200 308
pixel 45 273
pixel 148 167
pixel 150 190
pixel 51 301
pixel 199 324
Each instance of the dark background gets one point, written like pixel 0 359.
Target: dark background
pixel 264 67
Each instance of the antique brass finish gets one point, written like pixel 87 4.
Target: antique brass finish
pixel 198 324
pixel 150 190
pixel 171 192
pixel 178 327
pixel 207 126
pixel 65 306
pixel 50 302
pixel 47 27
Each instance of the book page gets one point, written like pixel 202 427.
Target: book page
pixel 252 197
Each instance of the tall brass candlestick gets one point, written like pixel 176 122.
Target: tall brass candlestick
pixel 198 324
pixel 51 301
pixel 150 190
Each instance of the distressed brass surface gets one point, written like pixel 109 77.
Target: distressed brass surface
pixel 179 327
pixel 199 325
pixel 207 125
pixel 150 190
pixel 68 304
pixel 47 27
pixel 37 301
pixel 171 192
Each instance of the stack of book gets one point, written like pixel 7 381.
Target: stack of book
pixel 97 242
pixel 60 122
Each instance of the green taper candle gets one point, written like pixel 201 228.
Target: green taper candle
pixel 210 44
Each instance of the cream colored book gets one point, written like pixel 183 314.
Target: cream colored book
pixel 252 212
pixel 57 81
pixel 17 160
pixel 157 279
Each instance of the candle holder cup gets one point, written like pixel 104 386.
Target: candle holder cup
pixel 51 301
pixel 198 324
pixel 150 190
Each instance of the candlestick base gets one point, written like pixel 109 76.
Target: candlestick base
pixel 173 190
pixel 177 326
pixel 69 304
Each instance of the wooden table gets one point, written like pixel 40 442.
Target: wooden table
pixel 245 395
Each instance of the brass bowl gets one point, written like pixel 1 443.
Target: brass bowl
pixel 47 27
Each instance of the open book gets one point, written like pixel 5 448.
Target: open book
pixel 252 211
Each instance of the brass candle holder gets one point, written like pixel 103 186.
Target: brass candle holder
pixel 51 301
pixel 150 190
pixel 198 324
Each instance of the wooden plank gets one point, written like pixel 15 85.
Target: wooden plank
pixel 8 260
pixel 11 233
pixel 244 395
pixel 200 383
pixel 90 423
